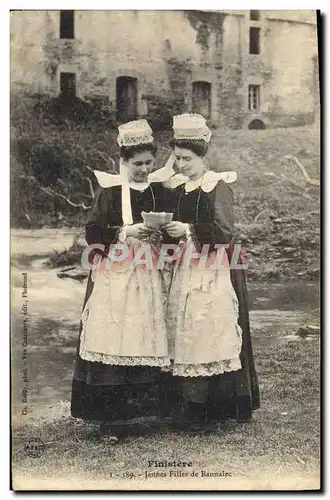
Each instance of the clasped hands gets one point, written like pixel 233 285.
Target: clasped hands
pixel 175 229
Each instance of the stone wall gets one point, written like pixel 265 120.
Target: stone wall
pixel 167 51
pixel 232 74
pixel 285 71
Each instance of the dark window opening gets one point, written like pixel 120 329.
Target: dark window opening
pixel 254 40
pixel 168 44
pixel 255 15
pixel 257 125
pixel 254 97
pixel 67 24
pixel 201 99
pixel 68 85
pixel 126 100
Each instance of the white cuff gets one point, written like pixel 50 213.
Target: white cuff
pixel 123 234
pixel 188 233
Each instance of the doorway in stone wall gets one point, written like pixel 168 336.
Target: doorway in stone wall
pixel 201 98
pixel 126 99
pixel 256 125
pixel 68 85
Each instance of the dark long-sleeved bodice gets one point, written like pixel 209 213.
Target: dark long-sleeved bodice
pixel 105 221
pixel 209 214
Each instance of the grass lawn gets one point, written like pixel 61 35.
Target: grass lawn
pixel 279 449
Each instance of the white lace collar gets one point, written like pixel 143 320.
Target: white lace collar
pixel 106 180
pixel 109 180
pixel 207 182
pixel 192 185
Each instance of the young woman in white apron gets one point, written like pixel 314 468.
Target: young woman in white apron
pixel 118 379
pixel 207 316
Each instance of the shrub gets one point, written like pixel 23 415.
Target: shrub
pixel 161 111
pixel 52 158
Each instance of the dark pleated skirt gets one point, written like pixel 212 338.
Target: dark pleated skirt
pixel 118 394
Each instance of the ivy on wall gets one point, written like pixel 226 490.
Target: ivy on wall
pixel 205 23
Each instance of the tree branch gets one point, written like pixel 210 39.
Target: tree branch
pixel 259 215
pixel 90 169
pixel 54 194
pixel 59 195
pixel 313 182
pixel 90 186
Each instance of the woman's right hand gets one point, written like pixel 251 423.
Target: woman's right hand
pixel 139 231
pixel 175 229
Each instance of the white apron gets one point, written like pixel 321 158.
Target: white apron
pixel 202 319
pixel 123 322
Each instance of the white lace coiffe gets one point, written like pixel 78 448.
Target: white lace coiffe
pixel 204 136
pixel 134 141
pixel 191 126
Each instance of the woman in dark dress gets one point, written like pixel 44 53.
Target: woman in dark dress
pixel 208 320
pixel 118 378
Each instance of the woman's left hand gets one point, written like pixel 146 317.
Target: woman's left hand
pixel 175 229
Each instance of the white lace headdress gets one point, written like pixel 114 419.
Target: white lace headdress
pixel 134 133
pixel 191 126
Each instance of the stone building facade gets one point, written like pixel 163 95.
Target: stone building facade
pixel 240 69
